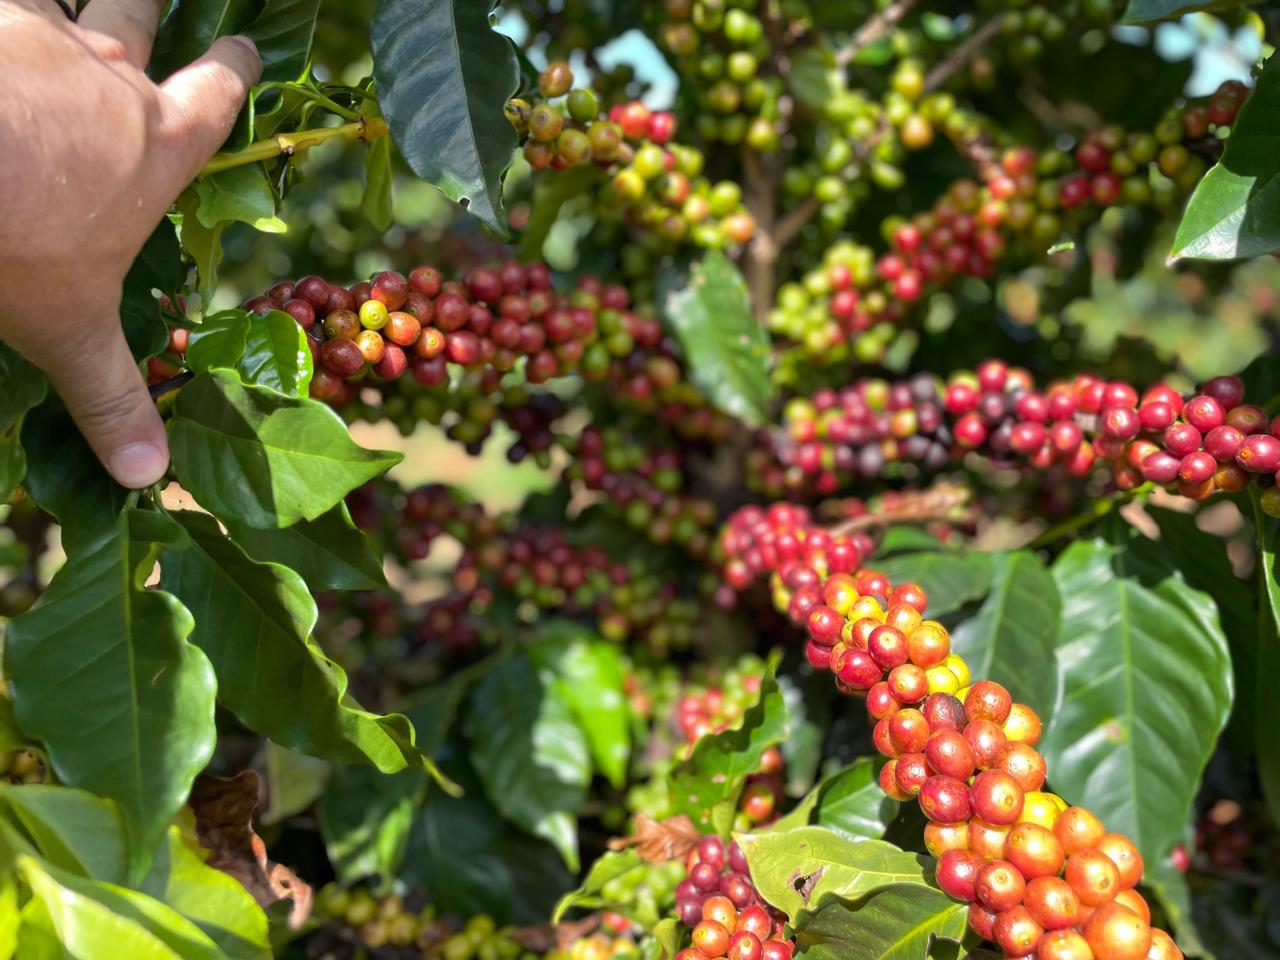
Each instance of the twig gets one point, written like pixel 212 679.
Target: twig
pixel 873 30
pixel 288 144
pixel 943 501
pixel 760 177
pixel 945 68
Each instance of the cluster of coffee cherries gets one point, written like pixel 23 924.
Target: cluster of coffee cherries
pixel 490 320
pixel 612 942
pixel 21 766
pixel 719 901
pixel 1212 441
pixel 646 893
pixel 1025 201
pixel 536 565
pixel 720 51
pixel 354 921
pixel 644 484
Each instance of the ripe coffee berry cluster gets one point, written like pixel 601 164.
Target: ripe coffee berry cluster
pixel 488 321
pixel 1212 441
pixel 645 485
pixel 718 900
pixel 1042 879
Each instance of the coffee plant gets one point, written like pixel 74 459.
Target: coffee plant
pixel 750 479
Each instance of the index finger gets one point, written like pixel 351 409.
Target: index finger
pixel 132 23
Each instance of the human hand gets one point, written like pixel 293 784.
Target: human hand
pixel 94 154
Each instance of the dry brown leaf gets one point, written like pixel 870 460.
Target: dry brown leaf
pixel 660 840
pixel 224 825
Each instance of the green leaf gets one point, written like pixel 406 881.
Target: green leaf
pixel 72 829
pixel 950 580
pixel 849 802
pixel 10 916
pixel 1011 638
pixel 706 787
pixel 815 78
pixel 897 922
pixel 795 869
pixel 254 621
pixel 550 194
pixel 65 478
pixel 219 341
pixel 203 244
pixel 329 553
pixel 532 757
pixel 191 27
pixel 1235 210
pixel 1267 658
pixel 1146 688
pixel 1145 11
pixel 214 901
pixel 378 174
pixel 158 266
pixel 725 349
pixel 10 737
pixel 252 455
pixel 587 672
pixel 283 32
pixel 1262 380
pixel 443 77
pixel 89 915
pixel 611 866
pixel 365 818
pixel 276 355
pixel 22 387
pixel 241 194
pixel 294 782
pixel 100 645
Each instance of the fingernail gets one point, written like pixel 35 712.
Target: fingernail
pixel 241 39
pixel 138 465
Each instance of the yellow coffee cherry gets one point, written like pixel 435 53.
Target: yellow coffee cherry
pixel 1039 808
pixel 955 663
pixel 373 314
pixel 942 680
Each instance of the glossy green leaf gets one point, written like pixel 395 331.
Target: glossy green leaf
pixel 22 387
pixel 1235 210
pixel 329 553
pixel 100 645
pixel 378 174
pixel 214 901
pixel 587 672
pixel 1266 660
pixel 91 918
pixel 848 801
pixel 533 758
pixel 276 355
pixel 897 922
pixel 795 869
pixel 219 341
pixel 588 895
pixel 1146 688
pixel 283 33
pixel 706 787
pixel 241 194
pixel 365 818
pixel 65 478
pixel 158 266
pixel 726 350
pixel 72 829
pixel 253 455
pixel 254 621
pixel 191 27
pixel 950 580
pixel 203 244
pixel 1011 638
pixel 1262 381
pixel 443 77
pixel 10 737
pixel 294 782
pixel 1145 11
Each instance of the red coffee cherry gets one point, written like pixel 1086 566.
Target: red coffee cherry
pixel 909 731
pixel 710 939
pixel 1163 947
pixel 988 839
pixel 1017 933
pixel 1023 724
pixel 986 739
pixel 949 753
pixel 1134 901
pixel 889 782
pixel 911 770
pixel 941 837
pixel 945 799
pixel 1122 852
pixel 1064 945
pixel 1259 453
pixel 957 874
pixel 1093 876
pixel 1077 829
pixel 988 701
pixel 1115 933
pixel 1000 886
pixel 944 712
pixel 888 647
pixel 1052 903
pixel 1035 851
pixel 755 920
pixel 996 797
pixel 744 945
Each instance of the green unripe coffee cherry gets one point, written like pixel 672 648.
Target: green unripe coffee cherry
pixel 583 105
pixel 725 198
pixel 373 314
pixel 545 123
pixel 573 147
pixel 650 162
pixel 742 66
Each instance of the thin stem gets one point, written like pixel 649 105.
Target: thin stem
pixel 873 30
pixel 315 96
pixel 367 129
pixel 961 55
pixel 760 191
pixel 1096 512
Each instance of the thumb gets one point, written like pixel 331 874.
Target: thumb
pixel 200 103
pixel 106 396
